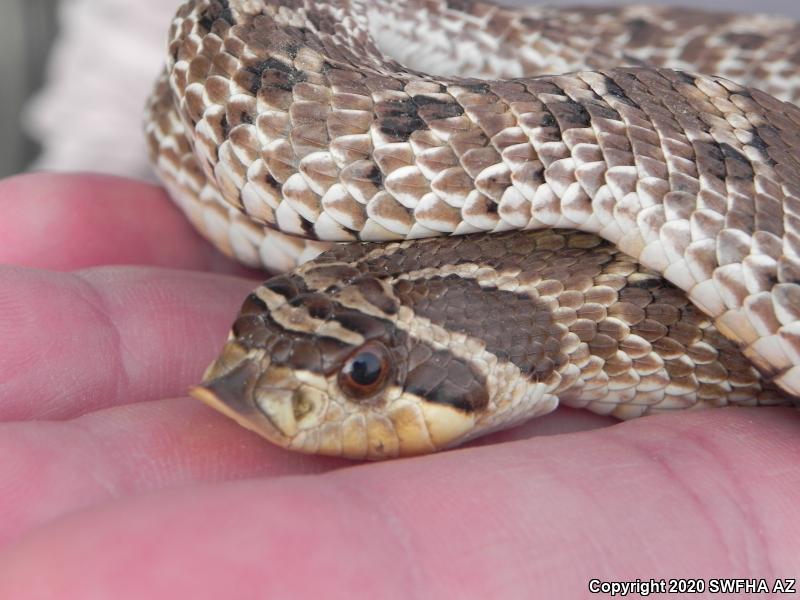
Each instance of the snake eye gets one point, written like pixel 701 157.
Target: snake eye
pixel 366 371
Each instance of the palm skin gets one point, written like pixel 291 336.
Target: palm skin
pixel 113 484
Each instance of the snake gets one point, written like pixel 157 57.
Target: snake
pixel 474 214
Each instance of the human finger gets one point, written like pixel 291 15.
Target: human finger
pixel 52 468
pixel 77 342
pixel 73 221
pixel 695 495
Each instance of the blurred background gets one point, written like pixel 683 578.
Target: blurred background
pixel 26 30
pixel 54 55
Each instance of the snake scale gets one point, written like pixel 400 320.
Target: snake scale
pixel 543 206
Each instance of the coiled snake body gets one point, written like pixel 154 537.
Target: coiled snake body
pixel 559 208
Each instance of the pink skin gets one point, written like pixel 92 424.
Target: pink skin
pixel 113 484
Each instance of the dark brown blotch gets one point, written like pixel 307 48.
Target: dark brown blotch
pixel 445 379
pixel 253 305
pixel 372 291
pixel 569 114
pixel 288 286
pixel 514 327
pixel 273 73
pixel 218 10
pixel 318 306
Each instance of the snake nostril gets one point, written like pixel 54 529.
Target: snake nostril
pixel 302 404
pixel 278 407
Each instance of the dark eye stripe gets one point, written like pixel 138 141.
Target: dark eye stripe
pixel 446 379
pixel 515 327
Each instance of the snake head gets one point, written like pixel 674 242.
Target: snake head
pixel 322 367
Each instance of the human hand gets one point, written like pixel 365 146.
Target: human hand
pixel 113 484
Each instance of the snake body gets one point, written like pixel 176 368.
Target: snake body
pixel 567 211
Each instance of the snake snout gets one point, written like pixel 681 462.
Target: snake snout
pixel 229 389
pixel 264 398
pixel 231 386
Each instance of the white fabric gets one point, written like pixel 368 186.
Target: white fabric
pixel 88 117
